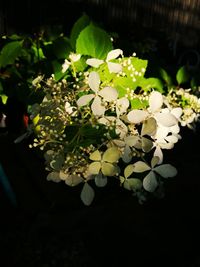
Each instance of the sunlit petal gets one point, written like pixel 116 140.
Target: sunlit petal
pixel 172 139
pixel 154 161
pixel 158 153
pixel 109 94
pixel 84 100
pixel 122 106
pixel 94 167
pixel 108 169
pixel 141 166
pixel 155 101
pixel 94 62
pixel 166 119
pixel 96 156
pixel 137 116
pixel 73 180
pixel 114 67
pixel 94 81
pixel 114 54
pixel 97 108
pixel 111 155
pixel 177 112
pixel 132 140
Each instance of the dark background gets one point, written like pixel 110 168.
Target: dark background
pixel 50 226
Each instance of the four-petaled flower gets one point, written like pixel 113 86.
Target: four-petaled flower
pixel 105 163
pixel 113 67
pixel 107 93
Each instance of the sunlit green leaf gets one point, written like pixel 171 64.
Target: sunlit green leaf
pixel 94 42
pixel 182 75
pixel 78 26
pixel 151 83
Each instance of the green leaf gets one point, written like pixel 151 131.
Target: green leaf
pixel 61 48
pixel 57 69
pixel 151 83
pixel 94 42
pixel 87 194
pixel 165 76
pixel 122 83
pixel 137 103
pixel 80 65
pixel 182 75
pixel 79 25
pixel 10 52
pixel 139 64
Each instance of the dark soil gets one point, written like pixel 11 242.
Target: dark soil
pixel 51 227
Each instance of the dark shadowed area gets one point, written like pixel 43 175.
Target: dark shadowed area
pixel 50 226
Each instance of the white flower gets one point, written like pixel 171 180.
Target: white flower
pixel 73 58
pixel 107 93
pixel 113 67
pixel 150 182
pixel 65 65
pixel 155 110
pixel 105 163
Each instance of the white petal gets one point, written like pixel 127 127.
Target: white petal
pixel 111 155
pixel 150 182
pixel 114 67
pixel 175 129
pixel 141 166
pixel 166 119
pixel 149 127
pixel 109 94
pixel 114 54
pixel 177 112
pixel 100 180
pixel 94 81
pixel 137 116
pixel 172 139
pixel 166 170
pixel 121 129
pixel 54 176
pixel 84 100
pixel 154 161
pixel 161 133
pixel 122 105
pixel 132 140
pixel 97 108
pixel 155 101
pixel 127 154
pixel 96 156
pixel 158 153
pixel 94 62
pixel 87 194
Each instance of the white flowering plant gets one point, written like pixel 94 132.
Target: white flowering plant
pixel 102 119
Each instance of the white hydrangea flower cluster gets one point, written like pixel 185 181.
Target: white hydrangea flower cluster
pixel 102 126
